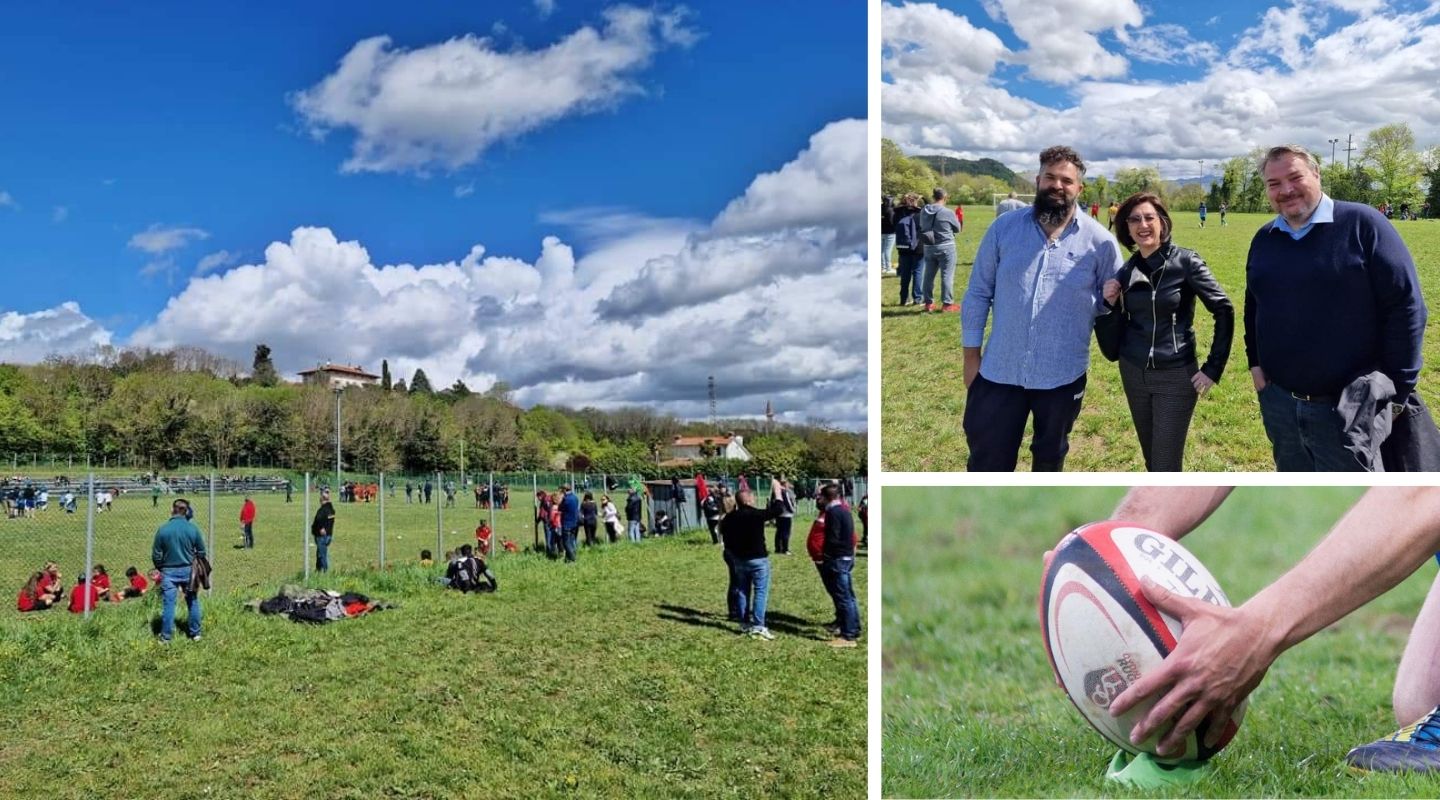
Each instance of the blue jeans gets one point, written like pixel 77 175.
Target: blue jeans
pixel 733 604
pixel 753 576
pixel 836 575
pixel 911 269
pixel 322 553
pixel 551 545
pixel 940 260
pixel 172 581
pixel 634 530
pixel 569 541
pixel 887 244
pixel 1305 436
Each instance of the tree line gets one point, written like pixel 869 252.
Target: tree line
pixel 179 407
pixel 1390 168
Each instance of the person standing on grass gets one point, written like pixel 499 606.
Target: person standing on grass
pixel 938 226
pixel 427 489
pixel 1225 652
pixel 634 510
pixel 910 249
pixel 1333 312
pixel 1010 203
pixel 743 531
pixel 323 529
pixel 177 543
pixel 247 522
pixel 887 232
pixel 569 520
pixel 1202 213
pixel 612 518
pixel 710 509
pixel 837 563
pixel 289 489
pixel 589 517
pixel 1150 330
pixel 784 499
pixel 1041 273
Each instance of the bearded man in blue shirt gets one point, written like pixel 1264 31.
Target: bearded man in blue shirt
pixel 1041 271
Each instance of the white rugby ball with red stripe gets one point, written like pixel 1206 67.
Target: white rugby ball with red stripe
pixel 1102 634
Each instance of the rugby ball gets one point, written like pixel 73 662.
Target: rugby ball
pixel 1102 634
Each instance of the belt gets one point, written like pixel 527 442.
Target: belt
pixel 1329 399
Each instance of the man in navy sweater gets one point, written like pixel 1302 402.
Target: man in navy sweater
pixel 1331 297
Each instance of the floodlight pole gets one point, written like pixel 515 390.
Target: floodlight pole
pixel 1333 142
pixel 338 390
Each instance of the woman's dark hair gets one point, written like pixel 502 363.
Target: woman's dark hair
pixel 590 497
pixel 1122 230
pixel 100 569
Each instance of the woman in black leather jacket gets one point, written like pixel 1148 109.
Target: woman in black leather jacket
pixel 1150 330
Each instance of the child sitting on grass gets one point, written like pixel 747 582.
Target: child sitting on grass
pixel 426 560
pixel 100 579
pixel 465 573
pixel 83 592
pixel 138 585
pixel 31 598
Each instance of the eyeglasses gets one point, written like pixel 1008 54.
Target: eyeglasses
pixel 1137 219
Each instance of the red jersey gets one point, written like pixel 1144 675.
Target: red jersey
pixel 25 602
pixel 46 582
pixel 247 512
pixel 102 583
pixel 482 539
pixel 815 541
pixel 138 582
pixel 77 598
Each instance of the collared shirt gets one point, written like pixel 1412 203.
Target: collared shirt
pixel 1045 296
pixel 1324 212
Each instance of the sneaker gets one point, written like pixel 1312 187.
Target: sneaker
pixel 745 630
pixel 929 307
pixel 950 308
pixel 832 629
pixel 841 644
pixel 763 633
pixel 195 638
pixel 1414 748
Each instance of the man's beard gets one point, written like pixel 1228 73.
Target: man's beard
pixel 1051 207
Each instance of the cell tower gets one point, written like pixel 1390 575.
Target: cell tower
pixel 712 401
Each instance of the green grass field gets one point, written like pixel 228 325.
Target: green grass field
pixel 923 391
pixel 971 709
pixel 616 676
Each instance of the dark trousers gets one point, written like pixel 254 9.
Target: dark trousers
pixel 782 529
pixel 1305 435
pixel 995 416
pixel 912 261
pixel 589 532
pixel 1162 401
pixel 835 573
pixel 249 536
pixel 732 589
pixel 714 523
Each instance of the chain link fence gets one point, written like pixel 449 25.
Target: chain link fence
pixel 103 525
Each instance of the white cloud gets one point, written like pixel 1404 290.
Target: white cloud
pixel 159 239
pixel 1167 44
pixel 216 260
pixel 1305 72
pixel 8 201
pixel 465 190
pixel 445 104
pixel 1062 45
pixel 544 8
pixel 775 311
pixel 62 330
pixel 925 37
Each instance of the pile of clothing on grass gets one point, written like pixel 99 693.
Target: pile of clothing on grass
pixel 316 606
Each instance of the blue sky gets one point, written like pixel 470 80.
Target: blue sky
pixel 1155 84
pixel 153 155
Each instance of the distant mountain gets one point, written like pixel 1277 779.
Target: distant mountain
pixel 947 165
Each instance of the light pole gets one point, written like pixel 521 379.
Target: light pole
pixel 1333 142
pixel 338 390
pixel 1202 174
